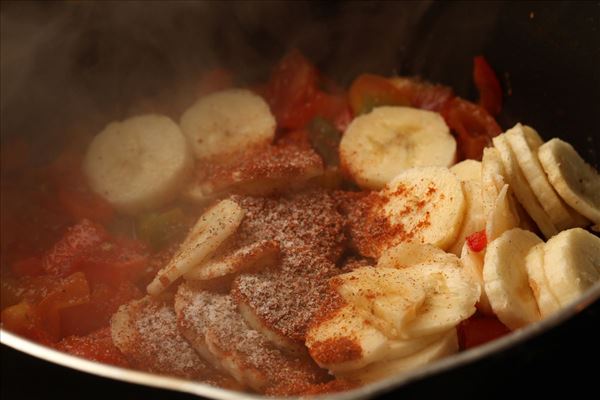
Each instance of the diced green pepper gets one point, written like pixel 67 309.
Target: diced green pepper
pixel 157 229
pixel 325 139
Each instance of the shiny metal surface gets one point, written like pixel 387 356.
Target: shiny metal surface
pixel 368 391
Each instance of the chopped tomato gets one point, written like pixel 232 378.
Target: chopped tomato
pixel 480 329
pixel 214 80
pixel 477 241
pixel 97 346
pixel 474 126
pixel 31 266
pixel 114 261
pixel 104 301
pixel 369 91
pixel 488 85
pixel 72 291
pixel 63 257
pixel 23 319
pixel 80 203
pixel 291 89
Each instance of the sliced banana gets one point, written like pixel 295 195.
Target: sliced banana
pixel 346 341
pixel 474 220
pixel 503 217
pixel 451 298
pixel 523 192
pixel 577 182
pixel 525 142
pixel 409 254
pixel 378 146
pixel 250 258
pixel 388 297
pixel 227 122
pixel 472 262
pixel 445 346
pixel 572 263
pixel 138 164
pixel 493 178
pixel 505 278
pixel 214 226
pixel 546 301
pixel 467 170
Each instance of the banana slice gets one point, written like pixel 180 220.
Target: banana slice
pixel 474 220
pixel 577 182
pixel 214 226
pixel 388 297
pixel 346 341
pixel 546 301
pixel 378 146
pixel 472 262
pixel 451 298
pixel 525 142
pixel 468 170
pixel 493 178
pixel 138 164
pixel 503 217
pixel 445 346
pixel 421 205
pixel 521 187
pixel 409 254
pixel 505 278
pixel 222 270
pixel 572 263
pixel 227 122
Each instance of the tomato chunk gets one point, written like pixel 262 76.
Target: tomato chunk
pixel 474 126
pixel 214 80
pixel 23 319
pixel 104 301
pixel 480 329
pixel 488 85
pixel 31 266
pixel 73 291
pixel 82 203
pixel 369 91
pixel 477 241
pixel 291 89
pixel 97 346
pixel 62 259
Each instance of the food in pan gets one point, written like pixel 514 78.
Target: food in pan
pixel 293 237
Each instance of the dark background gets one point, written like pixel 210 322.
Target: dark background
pixel 87 63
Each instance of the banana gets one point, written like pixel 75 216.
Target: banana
pixel 388 295
pixel 572 263
pixel 493 178
pixel 474 220
pixel 505 278
pixel 525 142
pixel 410 254
pixel 347 341
pixel 503 217
pixel 468 170
pixel 472 263
pixel 521 188
pixel 407 303
pixel 261 171
pixel 228 121
pixel 534 263
pixel 378 146
pixel 577 182
pixel 423 205
pixel 138 164
pixel 214 226
pixel 445 346
pixel 219 271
